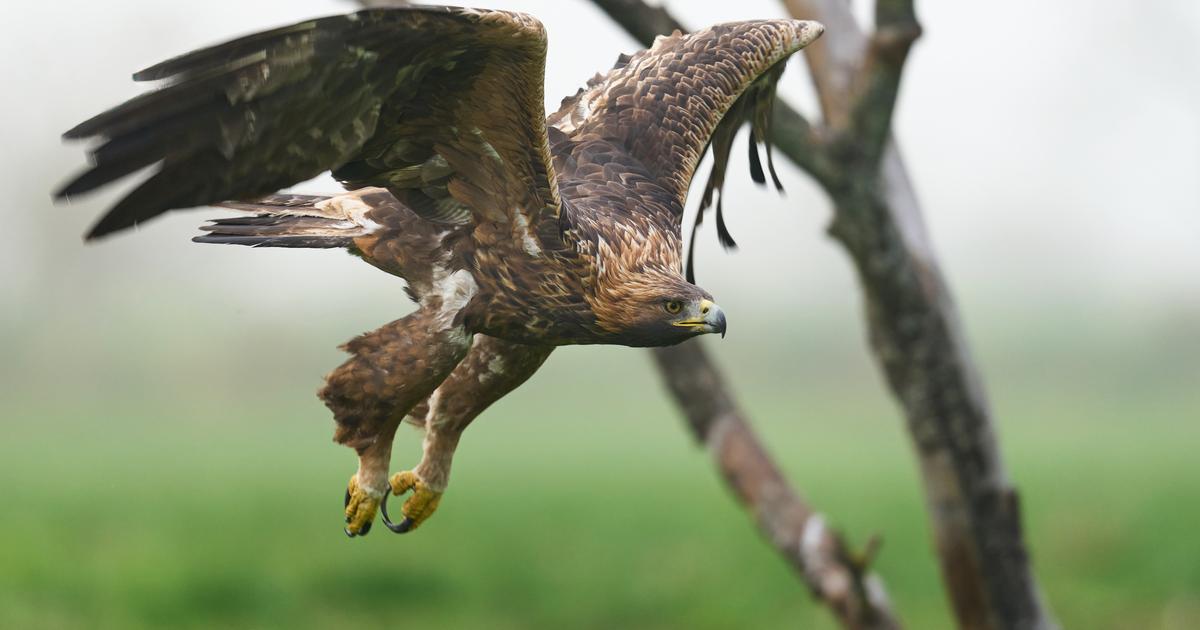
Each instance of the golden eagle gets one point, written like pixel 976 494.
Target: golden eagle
pixel 515 233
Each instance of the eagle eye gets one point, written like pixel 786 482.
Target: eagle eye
pixel 673 306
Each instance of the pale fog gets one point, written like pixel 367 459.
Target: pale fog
pixel 1055 147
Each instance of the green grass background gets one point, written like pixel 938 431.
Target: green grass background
pixel 160 474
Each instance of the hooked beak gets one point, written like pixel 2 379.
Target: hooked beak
pixel 710 320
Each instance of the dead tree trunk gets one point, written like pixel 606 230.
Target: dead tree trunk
pixel 911 318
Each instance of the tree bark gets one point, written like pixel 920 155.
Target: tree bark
pixel 836 576
pixel 911 318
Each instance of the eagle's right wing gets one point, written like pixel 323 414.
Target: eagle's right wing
pixel 442 106
pixel 665 105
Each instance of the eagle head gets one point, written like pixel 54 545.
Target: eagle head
pixel 655 306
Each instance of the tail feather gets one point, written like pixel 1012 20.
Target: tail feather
pixel 309 221
pixel 275 202
pixel 307 242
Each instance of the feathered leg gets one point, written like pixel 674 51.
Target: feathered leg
pixel 391 370
pixel 491 370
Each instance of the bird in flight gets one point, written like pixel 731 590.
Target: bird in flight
pixel 515 233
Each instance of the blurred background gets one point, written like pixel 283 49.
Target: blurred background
pixel 165 462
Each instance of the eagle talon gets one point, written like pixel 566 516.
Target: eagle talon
pixel 417 509
pixel 403 527
pixel 360 509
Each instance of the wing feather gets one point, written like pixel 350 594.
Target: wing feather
pixel 443 106
pixel 668 104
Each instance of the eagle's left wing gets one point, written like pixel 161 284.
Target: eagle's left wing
pixel 442 106
pixel 665 105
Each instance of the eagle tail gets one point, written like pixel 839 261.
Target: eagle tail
pixel 309 221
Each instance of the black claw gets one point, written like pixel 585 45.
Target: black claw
pixel 366 529
pixel 346 502
pixel 402 527
pixel 348 532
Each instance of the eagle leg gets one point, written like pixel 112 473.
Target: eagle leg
pixel 390 371
pixel 492 368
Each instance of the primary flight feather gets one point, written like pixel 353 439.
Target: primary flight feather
pixel 515 233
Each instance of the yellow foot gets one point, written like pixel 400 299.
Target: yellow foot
pixel 419 507
pixel 361 505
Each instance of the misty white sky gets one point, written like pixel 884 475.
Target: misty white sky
pixel 1055 145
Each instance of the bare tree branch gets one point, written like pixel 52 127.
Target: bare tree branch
pixel 835 59
pixel 877 84
pixel 836 576
pixel 911 317
pixel 914 326
pixel 642 21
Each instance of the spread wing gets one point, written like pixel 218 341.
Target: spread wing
pixel 442 106
pixel 665 105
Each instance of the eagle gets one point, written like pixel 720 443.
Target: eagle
pixel 514 232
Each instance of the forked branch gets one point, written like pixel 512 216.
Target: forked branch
pixel 912 321
pixel 838 578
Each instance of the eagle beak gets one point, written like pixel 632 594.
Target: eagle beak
pixel 714 317
pixel 711 319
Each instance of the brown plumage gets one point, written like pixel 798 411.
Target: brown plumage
pixel 515 233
